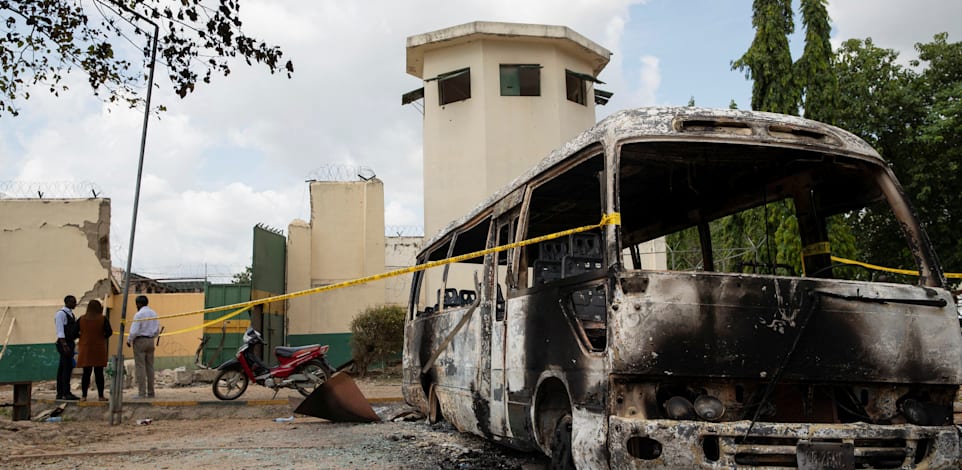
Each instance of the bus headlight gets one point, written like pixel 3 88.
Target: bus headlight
pixel 679 408
pixel 914 412
pixel 709 408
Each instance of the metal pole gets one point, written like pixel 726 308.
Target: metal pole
pixel 116 387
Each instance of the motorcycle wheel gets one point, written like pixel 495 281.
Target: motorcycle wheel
pixel 316 372
pixel 230 384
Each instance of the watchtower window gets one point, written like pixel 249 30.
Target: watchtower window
pixel 454 86
pixel 520 80
pixel 576 87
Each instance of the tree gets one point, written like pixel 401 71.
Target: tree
pixel 876 103
pixel 768 61
pixel 875 99
pixel 377 334
pixel 935 178
pixel 243 277
pixel 780 86
pixel 813 70
pixel 41 41
pixel 914 120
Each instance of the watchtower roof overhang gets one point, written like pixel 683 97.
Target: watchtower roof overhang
pixel 563 36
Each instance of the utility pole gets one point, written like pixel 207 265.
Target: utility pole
pixel 116 387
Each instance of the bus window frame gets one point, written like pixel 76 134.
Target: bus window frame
pixel 594 149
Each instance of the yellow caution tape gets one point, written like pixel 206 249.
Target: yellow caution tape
pixel 206 324
pixel 820 248
pixel 192 328
pixel 889 270
pixel 613 218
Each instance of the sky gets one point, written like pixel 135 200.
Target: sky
pixel 237 152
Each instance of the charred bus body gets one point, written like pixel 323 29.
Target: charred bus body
pixel 573 347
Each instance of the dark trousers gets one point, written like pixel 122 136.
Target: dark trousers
pixel 65 368
pixel 98 377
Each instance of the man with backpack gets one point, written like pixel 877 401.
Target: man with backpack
pixel 67 332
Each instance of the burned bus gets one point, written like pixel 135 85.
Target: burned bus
pixel 582 347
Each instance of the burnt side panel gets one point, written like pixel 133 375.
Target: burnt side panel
pixel 720 325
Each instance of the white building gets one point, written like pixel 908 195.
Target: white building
pixel 498 97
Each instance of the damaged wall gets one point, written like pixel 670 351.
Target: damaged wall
pixel 49 248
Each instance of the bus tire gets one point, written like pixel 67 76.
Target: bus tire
pixel 561 458
pixel 435 414
pixel 551 406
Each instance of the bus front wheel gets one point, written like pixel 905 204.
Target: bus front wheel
pixel 434 406
pixel 561 445
pixel 552 417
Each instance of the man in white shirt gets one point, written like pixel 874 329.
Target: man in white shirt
pixel 143 330
pixel 67 332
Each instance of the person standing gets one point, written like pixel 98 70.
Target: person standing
pixel 92 348
pixel 143 330
pixel 67 332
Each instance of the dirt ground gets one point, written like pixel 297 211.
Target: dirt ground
pixel 305 442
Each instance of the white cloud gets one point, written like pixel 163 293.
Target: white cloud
pixel 649 79
pixel 236 152
pixel 895 24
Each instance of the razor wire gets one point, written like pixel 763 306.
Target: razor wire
pixel 340 172
pixel 404 230
pixel 49 189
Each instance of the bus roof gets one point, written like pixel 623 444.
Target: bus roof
pixel 688 123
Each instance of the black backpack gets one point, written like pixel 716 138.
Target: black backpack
pixel 71 330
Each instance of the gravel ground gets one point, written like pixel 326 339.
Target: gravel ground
pixel 252 443
pixel 259 443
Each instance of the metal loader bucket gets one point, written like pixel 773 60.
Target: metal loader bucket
pixel 338 400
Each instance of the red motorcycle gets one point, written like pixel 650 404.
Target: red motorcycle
pixel 303 368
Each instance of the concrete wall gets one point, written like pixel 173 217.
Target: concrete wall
pixel 521 130
pixel 298 272
pixel 455 163
pixel 177 348
pixel 49 248
pixel 400 252
pixel 654 255
pixel 344 240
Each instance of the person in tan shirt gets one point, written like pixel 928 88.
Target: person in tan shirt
pixel 92 348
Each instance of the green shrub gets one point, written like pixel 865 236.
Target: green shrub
pixel 377 335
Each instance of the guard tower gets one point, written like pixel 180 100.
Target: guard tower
pixel 497 98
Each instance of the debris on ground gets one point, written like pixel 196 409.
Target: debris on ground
pixel 404 440
pixel 50 413
pixel 407 414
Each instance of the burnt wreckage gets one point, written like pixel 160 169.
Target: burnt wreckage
pixel 587 349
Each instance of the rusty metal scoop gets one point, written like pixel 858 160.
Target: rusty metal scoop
pixel 338 400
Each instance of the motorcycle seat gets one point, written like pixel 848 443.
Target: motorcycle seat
pixel 288 351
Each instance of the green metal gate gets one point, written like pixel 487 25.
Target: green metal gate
pixel 268 273
pixel 224 338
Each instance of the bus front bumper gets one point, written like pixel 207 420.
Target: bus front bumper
pixel 639 443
